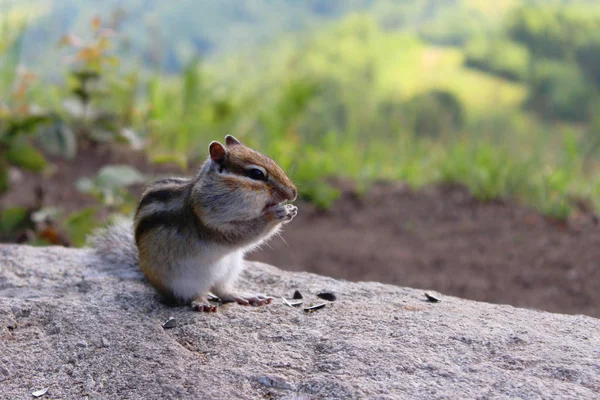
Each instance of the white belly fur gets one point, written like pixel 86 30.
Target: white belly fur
pixel 195 276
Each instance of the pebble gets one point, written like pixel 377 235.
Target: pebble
pixel 12 324
pixel 327 296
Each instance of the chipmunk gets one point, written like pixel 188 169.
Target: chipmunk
pixel 190 235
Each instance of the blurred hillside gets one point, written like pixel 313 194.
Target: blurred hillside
pixel 501 97
pixel 169 36
pixel 482 119
pixel 159 33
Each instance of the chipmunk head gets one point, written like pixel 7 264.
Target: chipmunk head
pixel 240 182
pixel 252 170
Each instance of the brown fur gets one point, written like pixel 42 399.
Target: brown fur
pixel 240 156
pixel 178 220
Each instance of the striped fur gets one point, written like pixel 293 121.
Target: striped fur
pixel 192 234
pixel 162 204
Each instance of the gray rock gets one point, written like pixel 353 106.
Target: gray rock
pixel 4 373
pixel 376 341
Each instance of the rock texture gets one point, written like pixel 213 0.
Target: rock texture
pixel 80 328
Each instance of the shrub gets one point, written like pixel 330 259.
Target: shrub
pixel 559 91
pixel 498 56
pixel 434 113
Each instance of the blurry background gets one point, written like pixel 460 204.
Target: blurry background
pixel 441 144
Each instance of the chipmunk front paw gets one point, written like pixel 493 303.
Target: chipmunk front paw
pixel 283 212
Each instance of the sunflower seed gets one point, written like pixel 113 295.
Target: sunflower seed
pixel 40 393
pixel 432 297
pixel 291 303
pixel 212 297
pixel 313 308
pixel 327 296
pixel 170 323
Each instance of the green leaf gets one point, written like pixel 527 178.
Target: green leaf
pixel 83 95
pixel 79 224
pixel 11 218
pixel 132 137
pixel 85 185
pixel 31 122
pixel 118 176
pixel 24 155
pixel 85 75
pixel 46 213
pixel 4 179
pixel 25 125
pixel 102 135
pixel 59 139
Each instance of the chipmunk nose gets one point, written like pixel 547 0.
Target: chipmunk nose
pixel 294 194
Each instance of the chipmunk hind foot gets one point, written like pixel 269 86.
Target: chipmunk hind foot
pixel 244 299
pixel 201 304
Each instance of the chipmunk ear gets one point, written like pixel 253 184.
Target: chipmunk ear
pixel 231 141
pixel 217 152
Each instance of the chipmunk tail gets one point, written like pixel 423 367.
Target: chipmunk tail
pixel 115 246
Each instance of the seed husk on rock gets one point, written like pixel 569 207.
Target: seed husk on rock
pixel 314 308
pixel 297 295
pixel 170 323
pixel 432 297
pixel 212 297
pixel 40 393
pixel 327 296
pixel 291 303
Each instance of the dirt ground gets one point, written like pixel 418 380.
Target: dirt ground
pixel 441 238
pixel 58 183
pixel 438 238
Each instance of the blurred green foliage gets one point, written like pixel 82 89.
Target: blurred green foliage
pixel 18 116
pixel 563 66
pixel 559 90
pixel 502 96
pixel 343 103
pixel 110 185
pixel 499 56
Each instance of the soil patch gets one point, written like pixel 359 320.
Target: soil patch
pixel 58 184
pixel 441 238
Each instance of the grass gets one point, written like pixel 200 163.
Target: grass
pixel 334 105
pixel 501 151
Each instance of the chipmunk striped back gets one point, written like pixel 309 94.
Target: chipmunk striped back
pixel 162 204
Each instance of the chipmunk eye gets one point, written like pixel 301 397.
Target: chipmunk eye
pixel 256 174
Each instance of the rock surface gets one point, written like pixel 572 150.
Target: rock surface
pixel 80 328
